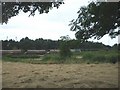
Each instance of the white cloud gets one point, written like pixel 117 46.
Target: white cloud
pixel 34 27
pixel 106 40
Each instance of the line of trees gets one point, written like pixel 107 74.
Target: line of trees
pixel 47 44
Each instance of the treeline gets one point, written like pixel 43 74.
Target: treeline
pixel 47 44
pixel 26 43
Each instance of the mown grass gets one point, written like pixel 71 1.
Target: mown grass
pixel 78 57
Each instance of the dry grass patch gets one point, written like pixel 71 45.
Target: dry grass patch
pixel 23 75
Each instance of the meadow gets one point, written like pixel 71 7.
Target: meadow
pixel 101 56
pixel 26 75
pixel 88 69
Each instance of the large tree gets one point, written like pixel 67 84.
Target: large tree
pixel 96 20
pixel 10 9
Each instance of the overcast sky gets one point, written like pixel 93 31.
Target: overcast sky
pixel 48 26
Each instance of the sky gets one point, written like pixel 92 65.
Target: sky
pixel 47 26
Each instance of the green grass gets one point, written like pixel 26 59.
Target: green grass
pixel 21 58
pixel 86 57
pixel 100 56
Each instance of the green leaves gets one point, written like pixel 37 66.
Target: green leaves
pixel 96 20
pixel 10 9
pixel 65 47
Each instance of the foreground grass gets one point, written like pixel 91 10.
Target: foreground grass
pixel 25 75
pixel 77 57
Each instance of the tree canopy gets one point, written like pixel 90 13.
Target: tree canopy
pixel 10 9
pixel 96 20
pixel 47 44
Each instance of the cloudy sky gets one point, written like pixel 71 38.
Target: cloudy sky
pixel 48 26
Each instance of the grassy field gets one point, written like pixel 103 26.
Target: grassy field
pixel 77 57
pixel 25 75
pixel 88 69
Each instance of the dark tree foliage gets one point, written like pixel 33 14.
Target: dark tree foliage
pixel 116 47
pixel 47 44
pixel 38 44
pixel 26 43
pixel 9 45
pixel 75 44
pixel 10 9
pixel 65 47
pixel 96 20
pixel 65 50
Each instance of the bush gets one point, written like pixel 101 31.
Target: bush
pixel 65 50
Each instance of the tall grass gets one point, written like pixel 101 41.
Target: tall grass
pixel 101 56
pixel 86 57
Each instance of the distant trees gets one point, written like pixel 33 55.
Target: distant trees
pixel 10 45
pixel 116 47
pixel 38 44
pixel 26 43
pixel 47 44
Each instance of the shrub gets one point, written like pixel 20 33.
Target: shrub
pixel 65 50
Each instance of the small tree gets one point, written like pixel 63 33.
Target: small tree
pixel 65 47
pixel 25 44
